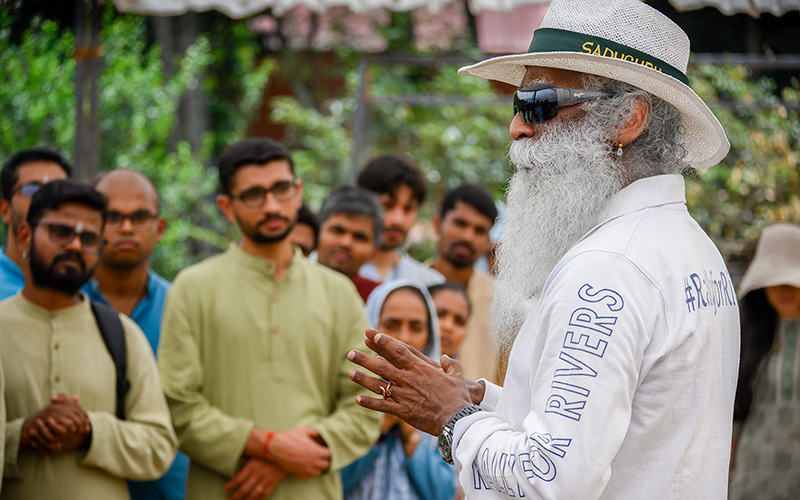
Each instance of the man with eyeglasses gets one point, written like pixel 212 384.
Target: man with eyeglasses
pixel 63 437
pixel 22 175
pixel 253 349
pixel 124 281
pixel 617 309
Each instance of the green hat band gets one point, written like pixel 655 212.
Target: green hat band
pixel 556 40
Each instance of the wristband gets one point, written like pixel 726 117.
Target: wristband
pixel 270 435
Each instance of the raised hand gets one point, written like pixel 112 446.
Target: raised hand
pixel 423 394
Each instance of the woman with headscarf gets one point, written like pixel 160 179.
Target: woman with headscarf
pixel 405 464
pixel 767 408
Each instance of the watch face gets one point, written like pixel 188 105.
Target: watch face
pixel 444 447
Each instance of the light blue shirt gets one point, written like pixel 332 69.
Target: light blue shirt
pixel 11 278
pixel 147 314
pixel 406 269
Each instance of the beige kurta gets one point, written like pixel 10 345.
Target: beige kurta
pixel 47 353
pixel 239 350
pixel 478 354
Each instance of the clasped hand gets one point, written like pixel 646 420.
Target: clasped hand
pixel 58 428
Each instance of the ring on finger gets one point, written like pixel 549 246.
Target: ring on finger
pixel 386 391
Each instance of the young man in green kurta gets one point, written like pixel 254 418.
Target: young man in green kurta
pixel 253 349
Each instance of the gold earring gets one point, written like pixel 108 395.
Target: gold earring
pixel 620 152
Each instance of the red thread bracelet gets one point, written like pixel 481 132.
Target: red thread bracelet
pixel 270 435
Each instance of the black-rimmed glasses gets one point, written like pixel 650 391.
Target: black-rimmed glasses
pixel 539 103
pixel 255 197
pixel 27 189
pixel 140 219
pixel 62 235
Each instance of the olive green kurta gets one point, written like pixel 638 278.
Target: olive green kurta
pixel 47 353
pixel 239 350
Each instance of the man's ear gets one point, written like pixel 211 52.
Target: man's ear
pixel 635 125
pixel 437 222
pixel 24 236
pixel 224 204
pixel 5 211
pixel 161 226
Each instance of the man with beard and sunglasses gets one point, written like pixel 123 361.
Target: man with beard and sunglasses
pixel 400 186
pixel 618 311
pixel 22 175
pixel 63 437
pixel 465 218
pixel 253 349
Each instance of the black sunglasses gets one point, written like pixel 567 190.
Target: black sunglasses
pixel 539 103
pixel 63 235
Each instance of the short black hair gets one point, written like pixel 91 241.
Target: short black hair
pixel 353 200
pixel 307 217
pixel 251 151
pixel 473 194
pixel 384 174
pixel 56 193
pixel 451 285
pixel 9 175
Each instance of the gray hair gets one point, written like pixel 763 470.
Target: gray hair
pixel 352 200
pixel 660 149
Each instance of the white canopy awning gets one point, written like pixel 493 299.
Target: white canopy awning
pixel 238 9
pixel 730 7
pixel 242 8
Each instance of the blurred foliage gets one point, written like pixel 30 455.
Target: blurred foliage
pixel 452 140
pixel 452 143
pixel 758 183
pixel 138 107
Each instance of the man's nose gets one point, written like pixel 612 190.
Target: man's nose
pixel 271 203
pixel 519 129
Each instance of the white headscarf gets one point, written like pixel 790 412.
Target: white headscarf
pixel 433 348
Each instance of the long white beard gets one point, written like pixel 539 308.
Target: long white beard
pixel 562 185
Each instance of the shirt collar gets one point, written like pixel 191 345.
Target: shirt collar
pixel 260 264
pixel 644 193
pixel 35 310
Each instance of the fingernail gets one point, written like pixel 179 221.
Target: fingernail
pixel 378 337
pixel 359 399
pixel 351 355
pixel 353 374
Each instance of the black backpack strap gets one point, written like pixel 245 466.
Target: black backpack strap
pixel 114 337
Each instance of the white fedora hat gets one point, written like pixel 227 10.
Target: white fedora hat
pixel 777 260
pixel 624 40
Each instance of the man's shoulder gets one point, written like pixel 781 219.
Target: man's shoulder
pixel 412 269
pixel 323 276
pixel 206 268
pixel 9 304
pixel 157 281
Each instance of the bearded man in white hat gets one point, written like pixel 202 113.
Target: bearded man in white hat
pixel 621 313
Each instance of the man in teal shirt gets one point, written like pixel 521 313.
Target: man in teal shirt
pixel 124 281
pixel 22 175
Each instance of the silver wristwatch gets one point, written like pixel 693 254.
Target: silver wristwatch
pixel 446 437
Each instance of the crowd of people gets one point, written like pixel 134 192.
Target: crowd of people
pixel 315 358
pixel 252 376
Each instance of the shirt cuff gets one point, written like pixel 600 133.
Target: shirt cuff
pixel 11 452
pixel 491 396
